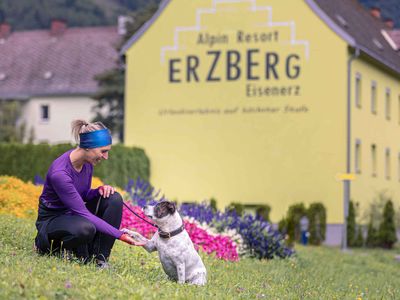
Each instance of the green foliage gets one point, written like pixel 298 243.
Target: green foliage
pixel 27 160
pixel 10 131
pixel 359 241
pixel 238 207
pixel 315 273
pixel 295 213
pixel 110 96
pixel 351 225
pixel 263 210
pixel 27 14
pixel 317 216
pixel 387 229
pixel 213 204
pixel 372 236
pixel 381 227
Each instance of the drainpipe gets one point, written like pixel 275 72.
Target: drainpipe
pixel 346 182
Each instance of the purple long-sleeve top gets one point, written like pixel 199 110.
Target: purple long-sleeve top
pixel 67 188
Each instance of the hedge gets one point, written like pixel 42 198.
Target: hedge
pixel 24 161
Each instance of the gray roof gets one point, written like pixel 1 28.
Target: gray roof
pixel 35 63
pixel 359 28
pixel 348 18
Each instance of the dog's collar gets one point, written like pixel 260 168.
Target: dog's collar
pixel 167 235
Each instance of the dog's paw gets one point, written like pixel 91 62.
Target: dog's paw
pixel 135 235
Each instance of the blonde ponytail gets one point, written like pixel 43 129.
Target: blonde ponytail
pixel 81 126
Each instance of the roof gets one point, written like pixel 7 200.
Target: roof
pixel 348 18
pixel 36 63
pixel 395 36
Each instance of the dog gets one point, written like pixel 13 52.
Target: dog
pixel 178 257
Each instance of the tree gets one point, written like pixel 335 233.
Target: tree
pixel 387 229
pixel 10 131
pixel 351 225
pixel 109 108
pixel 317 216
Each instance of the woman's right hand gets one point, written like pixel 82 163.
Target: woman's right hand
pixel 129 240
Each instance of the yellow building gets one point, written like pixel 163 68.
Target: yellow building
pixel 247 101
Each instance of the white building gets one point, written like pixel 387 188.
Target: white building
pixel 52 73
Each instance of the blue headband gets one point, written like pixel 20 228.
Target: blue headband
pixel 95 139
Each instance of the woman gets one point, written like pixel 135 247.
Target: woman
pixel 73 216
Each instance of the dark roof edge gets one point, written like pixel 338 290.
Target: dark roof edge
pixel 144 28
pixel 331 24
pixel 348 38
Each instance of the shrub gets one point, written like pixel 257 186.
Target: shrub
pixel 317 228
pixel 295 213
pixel 359 241
pixel 372 236
pixel 18 198
pixel 24 161
pixel 351 225
pixel 236 207
pixel 387 229
pixel 262 211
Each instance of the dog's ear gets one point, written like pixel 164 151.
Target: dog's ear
pixel 171 207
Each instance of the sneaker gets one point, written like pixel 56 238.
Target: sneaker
pixel 101 264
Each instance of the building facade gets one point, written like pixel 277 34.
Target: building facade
pixel 266 102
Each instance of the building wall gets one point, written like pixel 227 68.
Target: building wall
pixel 207 138
pixel 377 129
pixel 61 112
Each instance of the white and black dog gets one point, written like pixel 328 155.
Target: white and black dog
pixel 179 259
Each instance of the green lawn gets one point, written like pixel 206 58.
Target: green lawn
pixel 315 273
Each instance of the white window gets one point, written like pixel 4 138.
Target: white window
pixel 387 104
pixel 373 160
pixel 373 98
pixel 357 156
pixel 44 112
pixel 387 163
pixel 358 90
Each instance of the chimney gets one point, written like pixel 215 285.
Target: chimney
pixel 5 30
pixel 122 24
pixel 389 23
pixel 58 27
pixel 375 12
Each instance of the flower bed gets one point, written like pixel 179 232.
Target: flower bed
pixel 18 198
pixel 203 238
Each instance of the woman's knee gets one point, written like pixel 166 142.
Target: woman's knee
pixel 85 232
pixel 115 201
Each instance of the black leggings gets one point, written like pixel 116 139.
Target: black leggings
pixel 79 235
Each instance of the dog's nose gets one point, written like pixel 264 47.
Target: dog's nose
pixel 144 207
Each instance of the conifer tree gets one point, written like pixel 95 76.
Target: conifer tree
pixel 387 229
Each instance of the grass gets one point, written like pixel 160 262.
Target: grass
pixel 315 273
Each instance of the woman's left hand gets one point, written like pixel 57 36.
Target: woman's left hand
pixel 106 190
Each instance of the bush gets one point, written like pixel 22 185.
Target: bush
pixel 262 211
pixel 351 225
pixel 372 236
pixel 236 207
pixel 317 217
pixel 387 229
pixel 24 161
pixel 295 213
pixel 18 198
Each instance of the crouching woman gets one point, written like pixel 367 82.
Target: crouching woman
pixel 71 215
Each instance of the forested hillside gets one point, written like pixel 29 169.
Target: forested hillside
pixel 35 14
